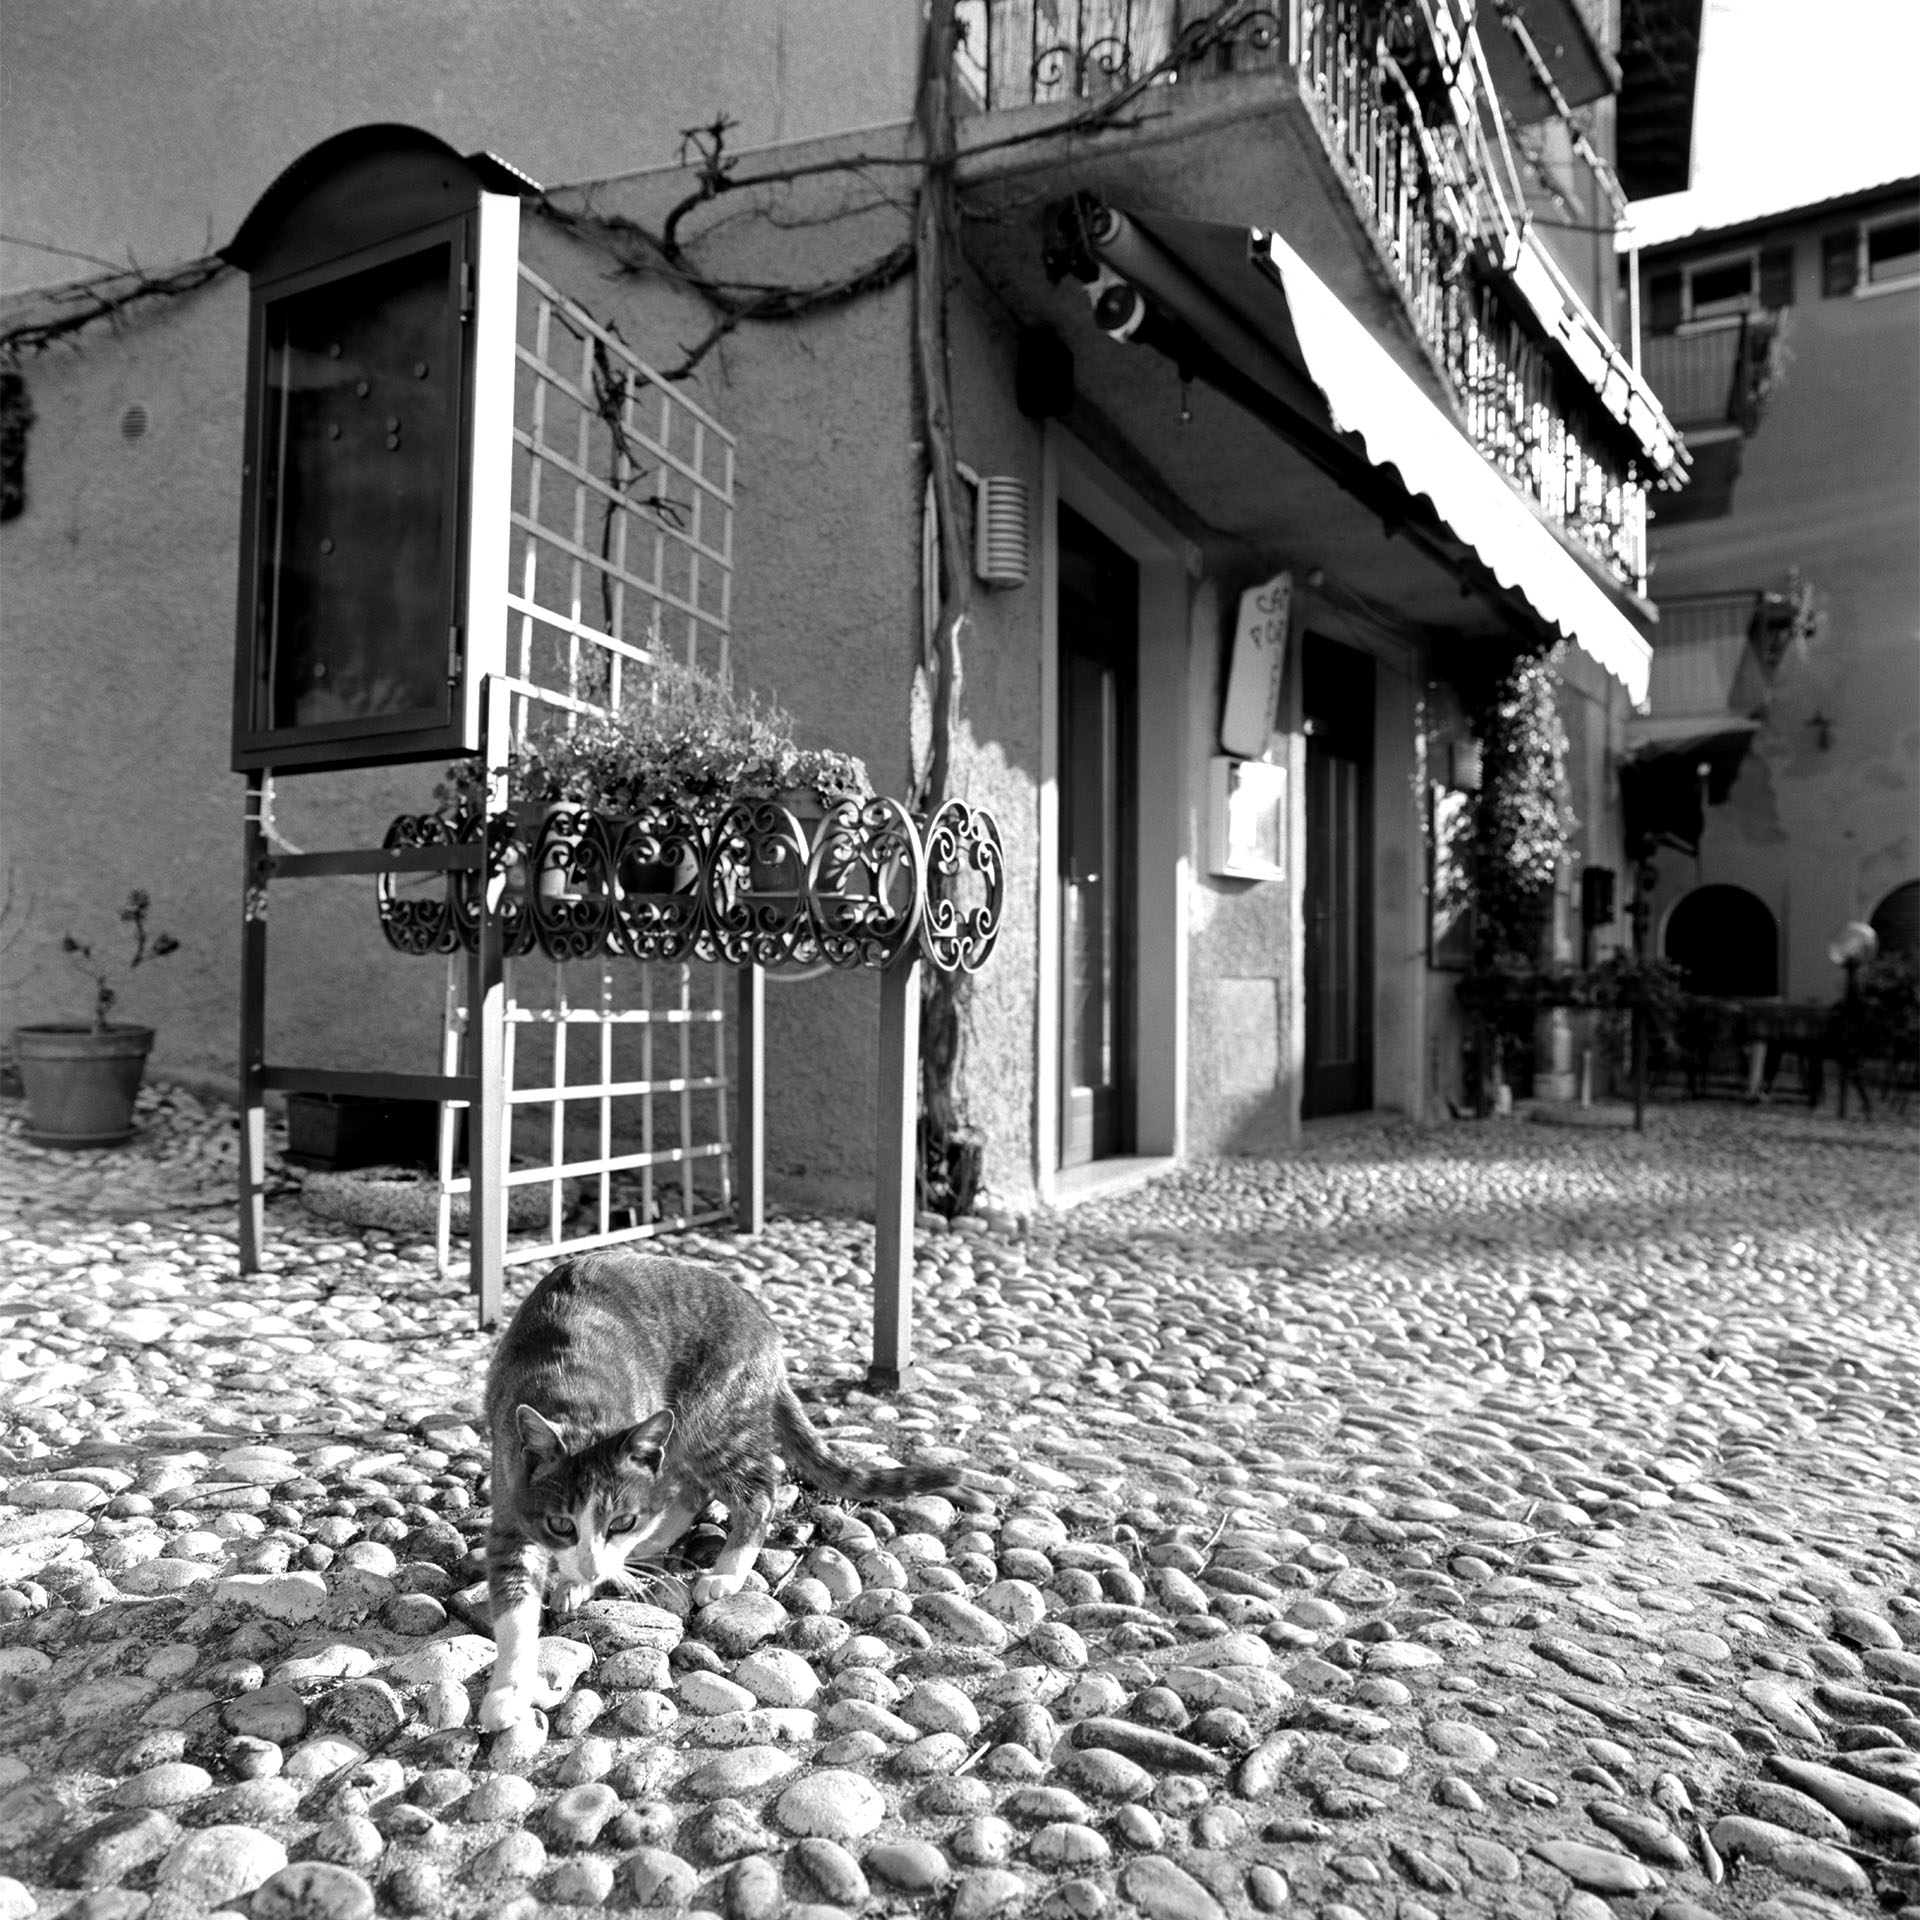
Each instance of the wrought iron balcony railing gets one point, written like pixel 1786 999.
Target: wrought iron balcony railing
pixel 1399 93
pixel 1019 53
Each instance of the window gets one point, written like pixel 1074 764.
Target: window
pixel 1723 287
pixel 1719 287
pixel 1876 253
pixel 1893 250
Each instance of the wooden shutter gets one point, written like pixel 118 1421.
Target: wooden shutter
pixel 1839 263
pixel 1663 301
pixel 1776 276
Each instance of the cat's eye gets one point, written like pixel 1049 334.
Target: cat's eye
pixel 622 1523
pixel 560 1526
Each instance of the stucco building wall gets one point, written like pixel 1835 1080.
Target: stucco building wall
pixel 150 130
pixel 827 614
pixel 116 687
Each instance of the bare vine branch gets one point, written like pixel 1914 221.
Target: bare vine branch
pixel 107 297
pixel 639 250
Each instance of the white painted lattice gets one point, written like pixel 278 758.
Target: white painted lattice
pixel 621 555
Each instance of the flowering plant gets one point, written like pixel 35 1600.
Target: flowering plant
pixel 680 738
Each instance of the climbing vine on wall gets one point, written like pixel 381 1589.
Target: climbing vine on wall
pixel 1521 817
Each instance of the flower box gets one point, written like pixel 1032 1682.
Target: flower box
pixel 741 881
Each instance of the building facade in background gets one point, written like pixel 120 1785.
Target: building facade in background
pixel 1786 673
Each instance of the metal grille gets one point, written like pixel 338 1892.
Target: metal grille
pixel 620 558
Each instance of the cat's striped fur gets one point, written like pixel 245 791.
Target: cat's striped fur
pixel 628 1391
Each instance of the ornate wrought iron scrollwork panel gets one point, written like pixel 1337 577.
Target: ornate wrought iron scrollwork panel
pixel 749 882
pixel 965 887
pixel 418 922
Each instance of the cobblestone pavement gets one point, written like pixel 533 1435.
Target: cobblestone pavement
pixel 1503 1520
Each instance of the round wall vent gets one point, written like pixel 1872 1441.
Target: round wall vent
pixel 134 423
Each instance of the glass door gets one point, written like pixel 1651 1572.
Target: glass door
pixel 1337 697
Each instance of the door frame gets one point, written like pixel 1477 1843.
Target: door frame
pixel 1402 986
pixel 1108 841
pixel 1361 738
pixel 1162 873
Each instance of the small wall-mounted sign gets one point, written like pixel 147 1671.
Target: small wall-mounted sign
pixel 1247 819
pixel 1253 674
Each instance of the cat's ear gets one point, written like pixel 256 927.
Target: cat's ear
pixel 642 1446
pixel 540 1437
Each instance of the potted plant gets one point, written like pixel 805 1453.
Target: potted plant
pixel 81 1079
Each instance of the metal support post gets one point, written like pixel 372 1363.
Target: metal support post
pixel 896 1149
pixel 253 1022
pixel 1849 1035
pixel 1644 880
pixel 487 1144
pixel 750 1136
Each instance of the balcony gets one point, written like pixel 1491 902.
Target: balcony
pixel 1713 378
pixel 1401 101
pixel 1714 375
pixel 1706 700
pixel 1705 664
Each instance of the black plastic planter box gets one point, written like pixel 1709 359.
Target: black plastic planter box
pixel 341 1130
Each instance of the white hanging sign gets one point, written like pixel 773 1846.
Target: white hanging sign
pixel 1253 675
pixel 1247 819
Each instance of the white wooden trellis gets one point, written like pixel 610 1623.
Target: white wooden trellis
pixel 621 551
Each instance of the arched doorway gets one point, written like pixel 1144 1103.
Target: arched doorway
pixel 1725 942
pixel 1897 922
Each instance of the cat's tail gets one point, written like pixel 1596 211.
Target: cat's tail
pixel 810 1459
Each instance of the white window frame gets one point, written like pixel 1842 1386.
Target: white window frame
pixel 1864 287
pixel 1721 311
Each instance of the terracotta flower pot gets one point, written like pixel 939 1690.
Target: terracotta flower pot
pixel 81 1082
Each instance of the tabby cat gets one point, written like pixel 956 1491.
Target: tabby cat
pixel 627 1392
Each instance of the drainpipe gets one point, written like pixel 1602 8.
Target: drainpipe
pixel 1633 299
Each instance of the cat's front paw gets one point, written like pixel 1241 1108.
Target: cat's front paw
pixel 716 1586
pixel 509 1705
pixel 505 1707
